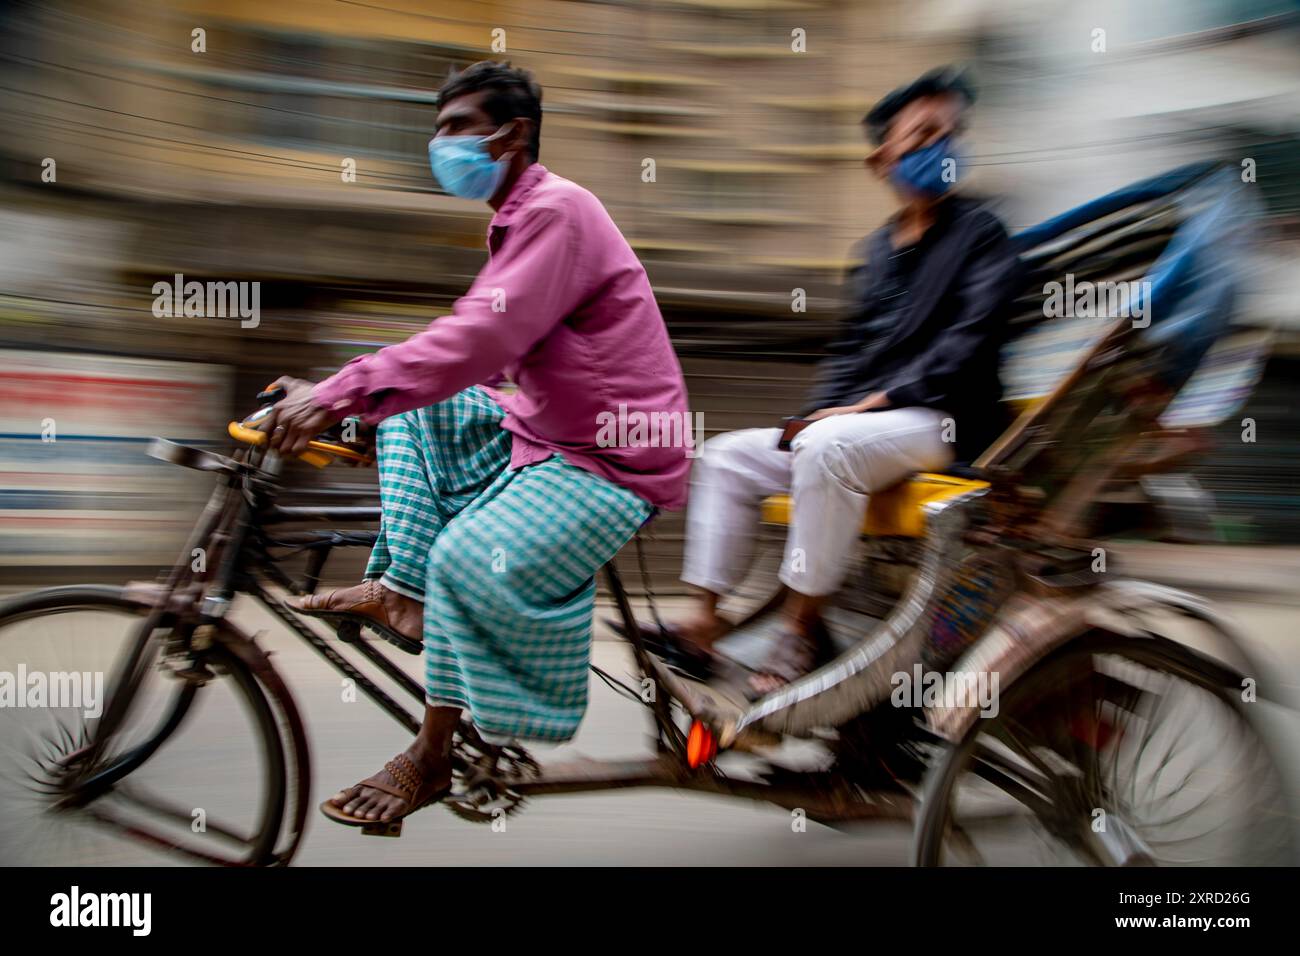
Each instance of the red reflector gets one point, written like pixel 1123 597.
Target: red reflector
pixel 701 745
pixel 1096 732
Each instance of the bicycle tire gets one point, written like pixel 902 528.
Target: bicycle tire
pixel 1053 672
pixel 261 844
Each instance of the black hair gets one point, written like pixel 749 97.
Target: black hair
pixel 943 80
pixel 512 92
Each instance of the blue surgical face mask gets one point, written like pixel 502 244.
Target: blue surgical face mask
pixel 927 171
pixel 465 168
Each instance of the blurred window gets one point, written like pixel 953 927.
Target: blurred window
pixel 309 93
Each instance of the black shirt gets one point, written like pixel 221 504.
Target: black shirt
pixel 892 297
pixel 924 323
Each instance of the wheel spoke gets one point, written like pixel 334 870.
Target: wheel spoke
pixel 129 792
pixel 1113 751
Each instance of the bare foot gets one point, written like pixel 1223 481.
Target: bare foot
pixel 370 599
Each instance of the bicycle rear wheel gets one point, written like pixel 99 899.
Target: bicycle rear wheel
pixel 195 769
pixel 1110 751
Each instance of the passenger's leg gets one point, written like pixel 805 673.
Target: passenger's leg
pixel 838 463
pixel 729 481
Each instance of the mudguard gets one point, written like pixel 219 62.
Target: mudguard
pixel 298 778
pixel 1031 627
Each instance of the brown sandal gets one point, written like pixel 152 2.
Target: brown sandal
pixel 411 788
pixel 370 610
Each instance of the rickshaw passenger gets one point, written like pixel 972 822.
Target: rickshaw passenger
pixel 911 386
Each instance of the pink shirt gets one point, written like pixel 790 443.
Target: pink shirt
pixel 564 310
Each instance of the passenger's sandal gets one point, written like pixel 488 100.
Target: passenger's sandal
pixel 793 656
pixel 411 788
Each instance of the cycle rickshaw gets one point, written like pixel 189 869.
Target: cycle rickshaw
pixel 1111 741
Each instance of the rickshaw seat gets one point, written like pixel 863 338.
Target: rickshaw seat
pixel 900 511
pixel 896 512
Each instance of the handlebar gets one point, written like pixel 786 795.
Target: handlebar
pixel 321 450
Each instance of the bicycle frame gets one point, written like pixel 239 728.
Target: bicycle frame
pixel 237 533
pixel 666 768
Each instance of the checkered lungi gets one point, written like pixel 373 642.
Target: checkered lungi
pixel 504 561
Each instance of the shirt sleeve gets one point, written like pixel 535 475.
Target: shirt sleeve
pixel 984 288
pixel 529 285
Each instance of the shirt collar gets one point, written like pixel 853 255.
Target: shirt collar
pixel 524 185
pixel 944 212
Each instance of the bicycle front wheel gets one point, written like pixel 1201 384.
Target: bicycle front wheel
pixel 194 770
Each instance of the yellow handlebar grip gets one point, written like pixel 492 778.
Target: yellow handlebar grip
pixel 251 436
pixel 315 458
pixel 340 451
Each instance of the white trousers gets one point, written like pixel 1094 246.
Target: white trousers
pixel 833 467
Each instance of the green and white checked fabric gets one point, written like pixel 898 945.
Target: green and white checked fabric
pixel 504 561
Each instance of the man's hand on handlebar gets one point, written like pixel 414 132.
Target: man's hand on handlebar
pixel 296 419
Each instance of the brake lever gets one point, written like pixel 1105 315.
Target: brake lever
pixel 267 399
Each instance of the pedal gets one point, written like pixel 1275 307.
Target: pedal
pixel 198 675
pixel 390 829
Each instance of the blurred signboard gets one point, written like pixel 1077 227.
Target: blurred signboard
pixel 76 486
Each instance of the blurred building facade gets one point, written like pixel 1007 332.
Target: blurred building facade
pixel 723 136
